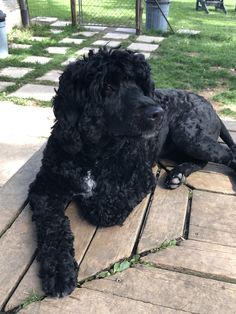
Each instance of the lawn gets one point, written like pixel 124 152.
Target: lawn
pixel 205 63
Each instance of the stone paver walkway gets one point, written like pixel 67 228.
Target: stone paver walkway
pixel 23 130
pixel 40 92
pixel 198 275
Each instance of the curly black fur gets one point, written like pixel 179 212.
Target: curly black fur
pixel 111 127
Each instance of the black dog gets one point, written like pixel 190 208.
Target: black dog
pixel 111 128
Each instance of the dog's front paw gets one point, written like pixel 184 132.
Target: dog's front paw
pixel 174 179
pixel 59 277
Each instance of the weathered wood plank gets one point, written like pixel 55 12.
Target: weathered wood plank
pixel 213 218
pixel 112 244
pixel 166 216
pixel 28 285
pixel 85 301
pixel 83 233
pixel 170 289
pixel 218 168
pixel 194 257
pixel 17 247
pixel 231 125
pixel 233 134
pixel 215 182
pixel 14 193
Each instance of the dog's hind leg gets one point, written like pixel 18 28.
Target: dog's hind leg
pixel 205 148
pixel 202 149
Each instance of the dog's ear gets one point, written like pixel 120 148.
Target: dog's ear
pixel 66 103
pixel 143 74
pixel 78 117
pixel 67 106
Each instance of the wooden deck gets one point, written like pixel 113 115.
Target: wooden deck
pixel 196 276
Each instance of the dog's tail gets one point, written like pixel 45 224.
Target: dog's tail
pixel 225 135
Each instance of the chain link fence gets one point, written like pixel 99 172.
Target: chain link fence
pixel 93 12
pixel 107 12
pixel 52 8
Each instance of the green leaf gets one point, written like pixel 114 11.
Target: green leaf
pixel 116 268
pixel 103 274
pixel 124 265
pixel 135 259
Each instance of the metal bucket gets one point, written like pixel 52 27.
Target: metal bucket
pixel 3 36
pixel 154 17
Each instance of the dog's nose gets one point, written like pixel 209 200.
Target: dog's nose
pixel 155 113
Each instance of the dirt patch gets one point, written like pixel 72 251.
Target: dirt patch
pixel 192 54
pixel 209 93
pixel 216 68
pixel 233 71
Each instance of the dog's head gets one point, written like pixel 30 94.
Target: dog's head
pixel 109 93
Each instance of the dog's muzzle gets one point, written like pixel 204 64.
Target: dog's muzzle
pixel 155 113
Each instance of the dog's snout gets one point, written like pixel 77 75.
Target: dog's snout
pixel 154 113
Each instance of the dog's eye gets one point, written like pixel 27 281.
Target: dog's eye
pixel 110 88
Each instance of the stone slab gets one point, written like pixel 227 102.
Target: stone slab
pixel 18 244
pixel 188 31
pixel 85 34
pixel 14 193
pixel 37 59
pixel 143 47
pixel 111 44
pixel 150 39
pixel 15 72
pixel 39 38
pixel 85 301
pixel 116 36
pixel 4 85
pixel 56 31
pixel 102 254
pixel 213 218
pixel 169 290
pixel 60 24
pixel 85 51
pixel 215 182
pixel 126 30
pixel 20 46
pixel 76 41
pixel 57 50
pixel 45 20
pixel 95 28
pixel 52 75
pixel 72 59
pixel 39 92
pixel 146 54
pixel 166 216
pixel 199 258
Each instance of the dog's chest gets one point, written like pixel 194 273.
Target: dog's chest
pixel 88 185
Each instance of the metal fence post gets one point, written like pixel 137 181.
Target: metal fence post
pixel 138 16
pixel 73 12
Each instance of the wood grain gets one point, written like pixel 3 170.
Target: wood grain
pixel 110 245
pixel 166 216
pixel 213 218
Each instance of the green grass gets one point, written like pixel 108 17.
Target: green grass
pixel 201 62
pixel 196 63
pixel 31 298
